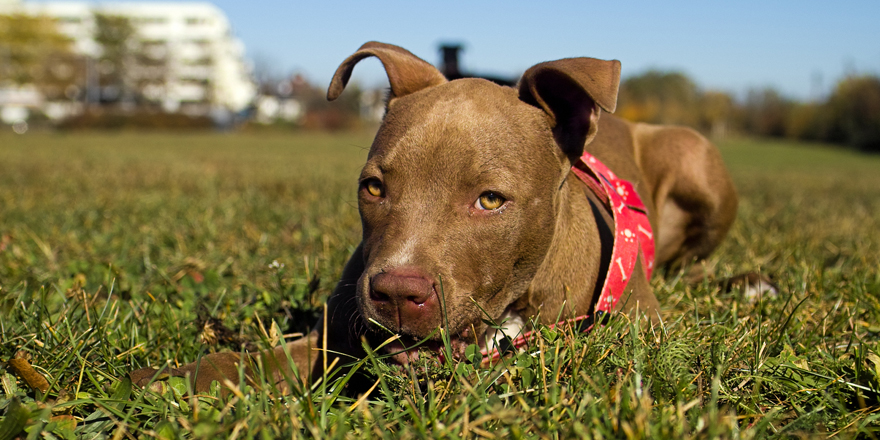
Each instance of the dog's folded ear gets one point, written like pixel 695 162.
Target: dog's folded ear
pixel 407 73
pixel 572 91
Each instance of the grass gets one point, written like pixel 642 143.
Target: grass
pixel 119 251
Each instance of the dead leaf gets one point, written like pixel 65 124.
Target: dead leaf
pixel 23 369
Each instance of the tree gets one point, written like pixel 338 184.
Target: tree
pixel 716 109
pixel 150 71
pixel 765 113
pixel 660 97
pixel 808 121
pixel 33 52
pixel 854 107
pixel 115 65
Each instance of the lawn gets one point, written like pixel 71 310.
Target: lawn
pixel 122 250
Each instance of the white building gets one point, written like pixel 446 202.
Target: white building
pixel 203 61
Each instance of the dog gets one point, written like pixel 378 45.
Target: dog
pixel 478 205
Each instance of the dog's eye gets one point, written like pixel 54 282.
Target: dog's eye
pixel 489 201
pixel 374 187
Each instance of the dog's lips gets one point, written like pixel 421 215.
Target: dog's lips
pixel 405 349
pixel 403 353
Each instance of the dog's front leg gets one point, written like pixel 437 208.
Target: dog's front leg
pixel 221 367
pixel 293 364
pixel 225 367
pixel 333 343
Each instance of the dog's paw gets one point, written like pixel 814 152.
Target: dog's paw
pixel 221 367
pixel 153 378
pixel 752 285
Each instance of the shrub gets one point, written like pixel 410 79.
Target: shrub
pixel 107 120
pixel 855 111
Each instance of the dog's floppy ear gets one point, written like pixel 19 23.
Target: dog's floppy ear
pixel 572 91
pixel 407 73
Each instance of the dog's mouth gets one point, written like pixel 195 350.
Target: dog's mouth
pixel 407 349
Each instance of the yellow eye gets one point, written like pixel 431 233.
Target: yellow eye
pixel 374 187
pixel 489 201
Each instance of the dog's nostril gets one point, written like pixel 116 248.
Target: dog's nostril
pixel 378 296
pixel 418 299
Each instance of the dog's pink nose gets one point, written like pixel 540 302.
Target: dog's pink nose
pixel 408 293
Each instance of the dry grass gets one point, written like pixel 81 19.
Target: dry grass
pixel 116 248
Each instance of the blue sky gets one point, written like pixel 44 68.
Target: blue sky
pixel 799 47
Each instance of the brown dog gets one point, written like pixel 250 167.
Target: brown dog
pixel 471 210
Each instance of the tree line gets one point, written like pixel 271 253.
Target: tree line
pixel 33 53
pixel 849 115
pixel 130 72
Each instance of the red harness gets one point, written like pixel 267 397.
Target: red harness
pixel 632 233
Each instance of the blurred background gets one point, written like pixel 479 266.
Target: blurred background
pixel 799 70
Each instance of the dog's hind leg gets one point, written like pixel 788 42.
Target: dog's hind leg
pixel 693 194
pixel 696 204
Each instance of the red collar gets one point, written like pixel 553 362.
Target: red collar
pixel 632 230
pixel 632 233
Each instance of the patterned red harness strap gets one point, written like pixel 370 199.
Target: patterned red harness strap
pixel 632 233
pixel 632 230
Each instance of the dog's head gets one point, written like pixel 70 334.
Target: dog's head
pixel 460 192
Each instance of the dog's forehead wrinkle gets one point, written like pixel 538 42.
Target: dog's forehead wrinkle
pixel 445 155
pixel 472 135
pixel 431 172
pixel 467 108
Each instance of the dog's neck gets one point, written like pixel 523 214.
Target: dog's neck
pixel 563 286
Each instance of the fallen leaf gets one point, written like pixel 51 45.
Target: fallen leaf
pixel 23 369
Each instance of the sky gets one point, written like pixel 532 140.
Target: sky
pixel 801 48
